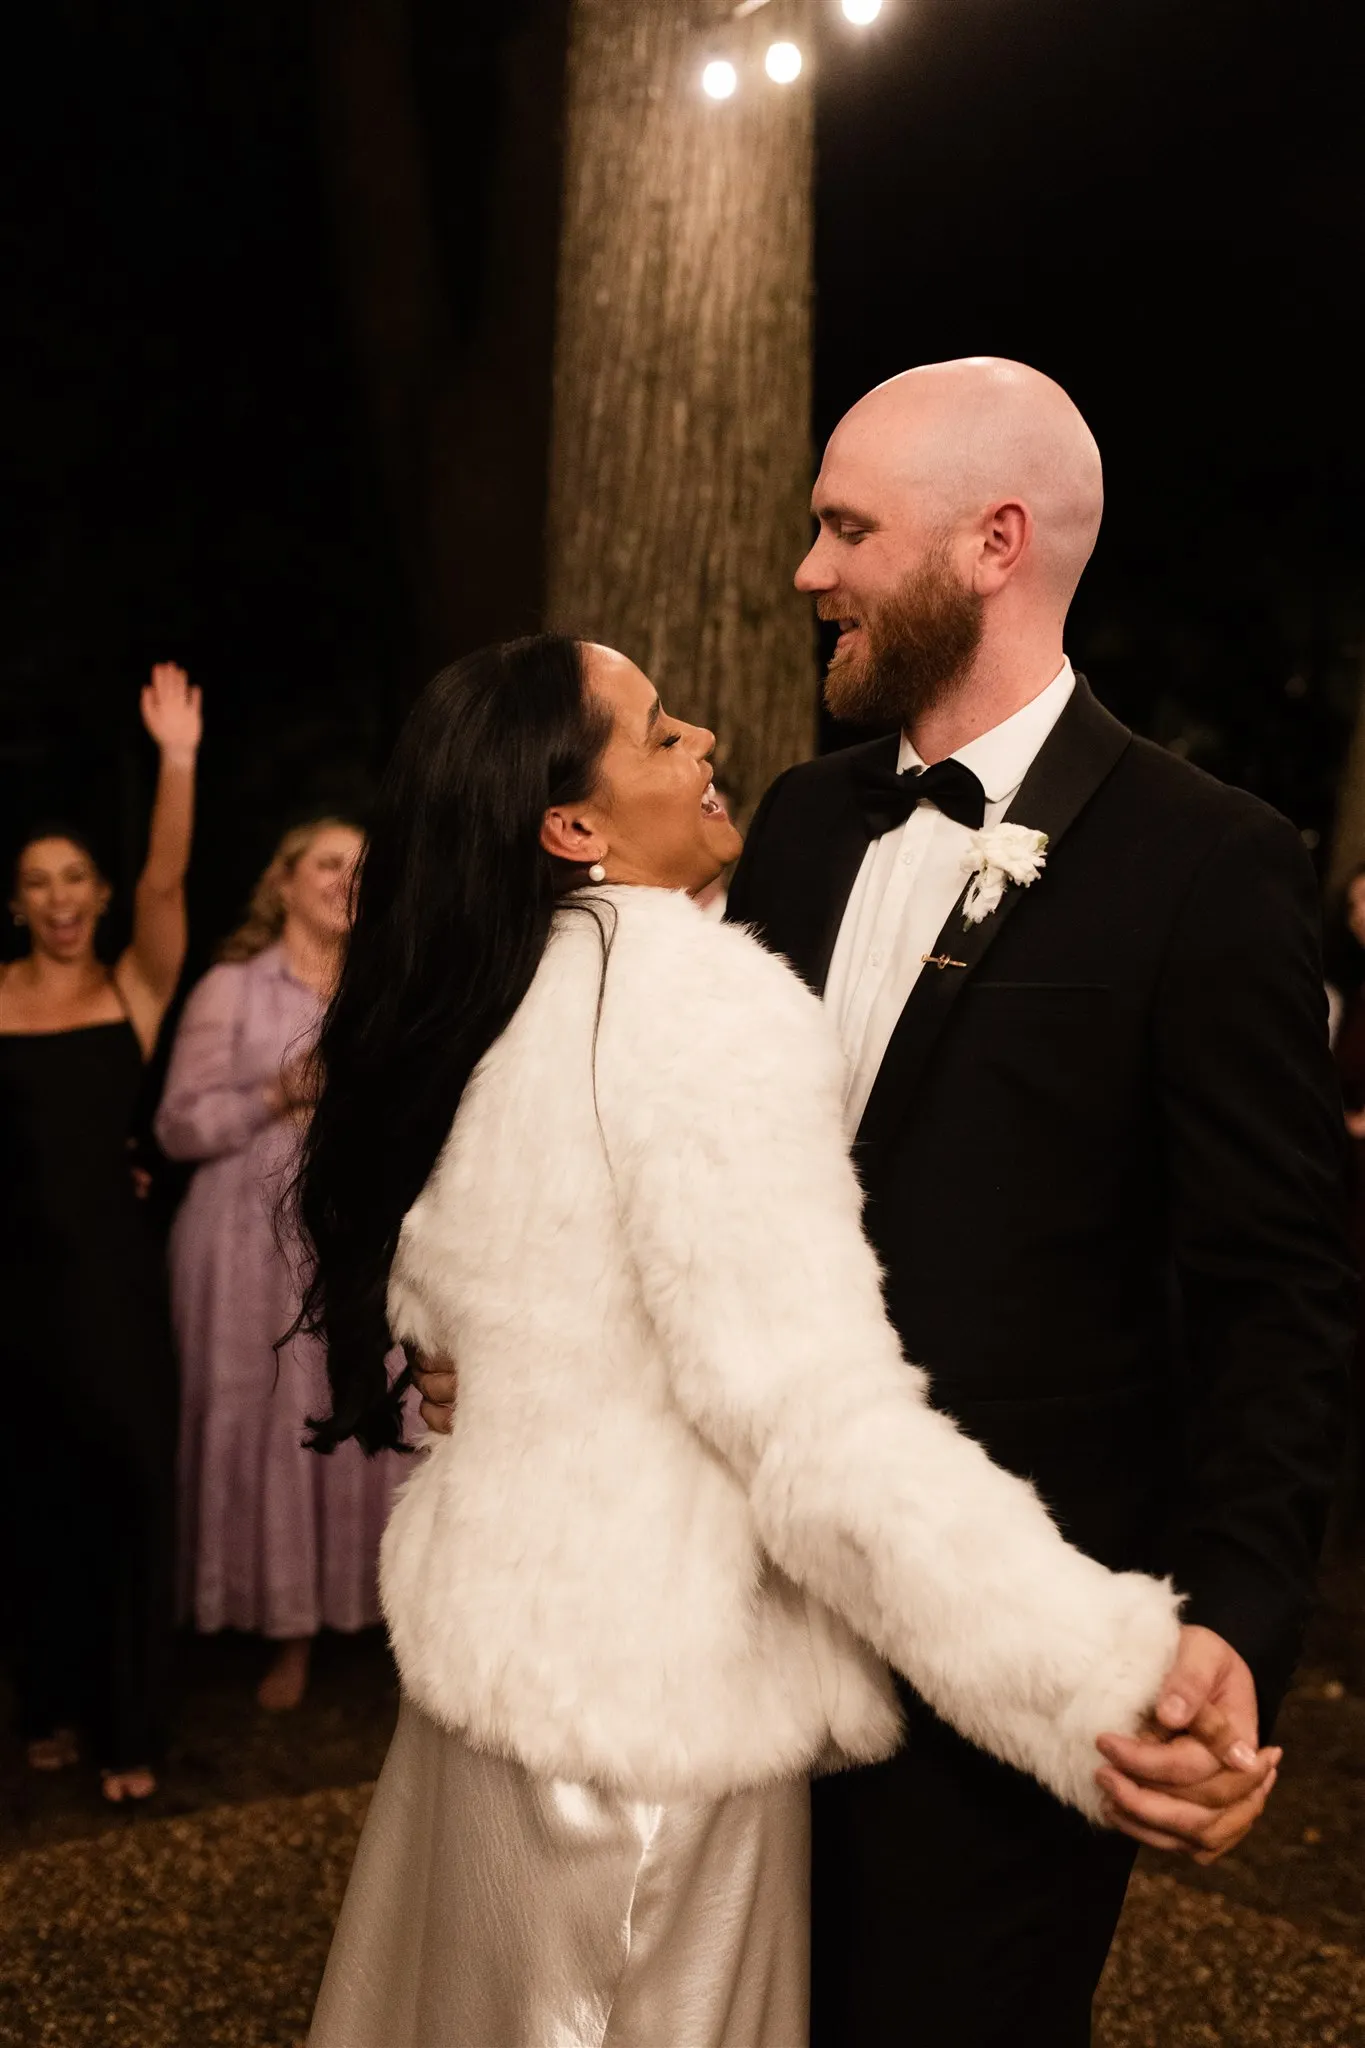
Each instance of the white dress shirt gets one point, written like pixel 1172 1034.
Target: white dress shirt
pixel 909 881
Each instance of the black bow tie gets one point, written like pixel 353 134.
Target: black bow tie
pixel 887 799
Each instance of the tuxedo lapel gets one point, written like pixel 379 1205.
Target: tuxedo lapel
pixel 1082 748
pixel 822 871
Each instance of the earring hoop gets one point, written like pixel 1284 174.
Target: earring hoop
pixel 19 918
pixel 597 873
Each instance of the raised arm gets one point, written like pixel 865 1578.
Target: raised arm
pixel 150 968
pixel 744 1214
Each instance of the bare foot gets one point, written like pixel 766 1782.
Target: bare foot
pixel 54 1752
pixel 285 1683
pixel 120 1785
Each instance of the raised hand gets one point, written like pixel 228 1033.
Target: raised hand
pixel 148 971
pixel 172 713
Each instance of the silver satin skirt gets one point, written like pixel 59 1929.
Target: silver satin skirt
pixel 491 1909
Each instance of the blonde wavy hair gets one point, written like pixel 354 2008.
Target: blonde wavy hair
pixel 264 920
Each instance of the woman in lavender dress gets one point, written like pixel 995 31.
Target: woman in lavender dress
pixel 273 1538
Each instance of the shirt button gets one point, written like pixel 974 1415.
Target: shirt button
pixel 877 959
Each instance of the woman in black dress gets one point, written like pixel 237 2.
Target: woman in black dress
pixel 86 1365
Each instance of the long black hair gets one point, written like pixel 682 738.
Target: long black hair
pixel 453 911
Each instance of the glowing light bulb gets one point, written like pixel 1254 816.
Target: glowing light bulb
pixel 783 63
pixel 720 80
pixel 862 11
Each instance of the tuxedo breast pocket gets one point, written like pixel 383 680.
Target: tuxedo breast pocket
pixel 1053 1036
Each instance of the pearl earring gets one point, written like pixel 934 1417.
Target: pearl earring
pixel 597 873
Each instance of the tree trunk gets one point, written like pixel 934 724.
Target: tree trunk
pixel 681 464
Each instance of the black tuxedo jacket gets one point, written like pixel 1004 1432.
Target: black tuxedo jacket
pixel 1104 1163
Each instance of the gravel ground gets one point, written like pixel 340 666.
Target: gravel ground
pixel 206 1931
pixel 210 1931
pixel 1192 1970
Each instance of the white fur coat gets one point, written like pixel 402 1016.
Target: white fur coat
pixel 692 1477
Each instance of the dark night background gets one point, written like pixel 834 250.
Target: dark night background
pixel 1161 204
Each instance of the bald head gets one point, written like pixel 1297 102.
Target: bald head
pixel 957 506
pixel 950 440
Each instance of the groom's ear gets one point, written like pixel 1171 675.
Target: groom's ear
pixel 569 836
pixel 1006 531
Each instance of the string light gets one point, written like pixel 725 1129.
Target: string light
pixel 783 63
pixel 862 12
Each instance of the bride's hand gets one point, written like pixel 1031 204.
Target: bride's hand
pixel 1187 1810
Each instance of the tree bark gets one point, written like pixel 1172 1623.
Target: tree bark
pixel 681 460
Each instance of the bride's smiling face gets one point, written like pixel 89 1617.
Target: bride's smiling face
pixel 654 817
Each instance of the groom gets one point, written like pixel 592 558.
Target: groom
pixel 1101 1142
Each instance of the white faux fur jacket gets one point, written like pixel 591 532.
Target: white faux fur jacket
pixel 692 1477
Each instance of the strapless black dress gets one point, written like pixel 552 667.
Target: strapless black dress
pixel 88 1383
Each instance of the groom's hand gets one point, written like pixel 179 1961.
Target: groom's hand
pixel 437 1381
pixel 1198 1784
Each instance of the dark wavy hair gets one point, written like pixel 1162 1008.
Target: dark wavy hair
pixel 56 828
pixel 453 911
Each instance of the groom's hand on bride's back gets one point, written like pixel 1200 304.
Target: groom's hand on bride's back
pixel 1198 1784
pixel 437 1381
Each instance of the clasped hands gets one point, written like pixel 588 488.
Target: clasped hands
pixel 1197 1783
pixel 1193 1784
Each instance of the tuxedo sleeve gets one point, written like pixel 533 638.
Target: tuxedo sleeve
pixel 1255 1154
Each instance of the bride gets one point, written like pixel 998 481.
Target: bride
pixel 589 1142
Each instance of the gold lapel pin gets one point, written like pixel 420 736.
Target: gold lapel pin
pixel 939 960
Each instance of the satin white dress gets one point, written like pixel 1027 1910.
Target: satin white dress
pixel 492 1909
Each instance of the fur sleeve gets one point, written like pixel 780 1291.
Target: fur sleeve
pixel 720 1095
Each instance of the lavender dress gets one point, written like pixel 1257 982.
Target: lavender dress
pixel 273 1538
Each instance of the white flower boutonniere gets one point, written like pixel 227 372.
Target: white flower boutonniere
pixel 999 855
